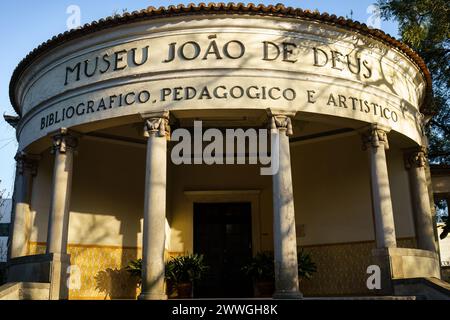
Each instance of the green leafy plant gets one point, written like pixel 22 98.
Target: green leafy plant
pixel 178 269
pixel 187 268
pixel 424 25
pixel 260 267
pixel 134 267
pixel 306 266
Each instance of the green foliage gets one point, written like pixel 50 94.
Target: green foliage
pixel 186 268
pixel 261 267
pixel 178 270
pixel 135 267
pixel 425 26
pixel 306 267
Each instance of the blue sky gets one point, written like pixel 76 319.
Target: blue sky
pixel 26 23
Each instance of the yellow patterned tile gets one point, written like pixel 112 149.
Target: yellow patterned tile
pixel 341 269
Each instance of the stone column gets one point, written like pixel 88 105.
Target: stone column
pixel 64 143
pixel 376 142
pixel 285 238
pixel 415 161
pixel 25 171
pixel 157 131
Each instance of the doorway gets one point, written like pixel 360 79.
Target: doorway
pixel 223 234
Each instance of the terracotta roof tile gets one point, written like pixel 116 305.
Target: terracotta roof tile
pixel 214 8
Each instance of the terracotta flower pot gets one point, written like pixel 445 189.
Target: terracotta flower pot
pixel 264 288
pixel 184 290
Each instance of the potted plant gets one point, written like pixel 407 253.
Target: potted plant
pixel 183 271
pixel 134 267
pixel 261 269
pixel 306 267
pixel 180 273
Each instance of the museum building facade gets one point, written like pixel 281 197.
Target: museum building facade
pixel 96 186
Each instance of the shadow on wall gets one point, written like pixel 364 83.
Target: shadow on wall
pixel 112 216
pixel 116 284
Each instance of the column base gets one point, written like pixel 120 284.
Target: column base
pixel 152 296
pixel 288 295
pixel 59 289
pixel 382 259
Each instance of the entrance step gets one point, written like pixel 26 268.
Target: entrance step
pixel 25 291
pixel 367 298
pixel 324 298
pixel 428 288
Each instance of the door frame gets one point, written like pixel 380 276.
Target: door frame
pixel 231 196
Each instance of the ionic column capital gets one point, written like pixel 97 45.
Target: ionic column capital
pixel 416 157
pixel 375 136
pixel 64 140
pixel 156 124
pixel 26 162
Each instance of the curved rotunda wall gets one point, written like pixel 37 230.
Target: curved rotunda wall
pixel 219 62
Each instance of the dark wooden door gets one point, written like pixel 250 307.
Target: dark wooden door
pixel 222 232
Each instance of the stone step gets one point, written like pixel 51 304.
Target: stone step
pixel 25 291
pixel 428 288
pixel 324 298
pixel 366 298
